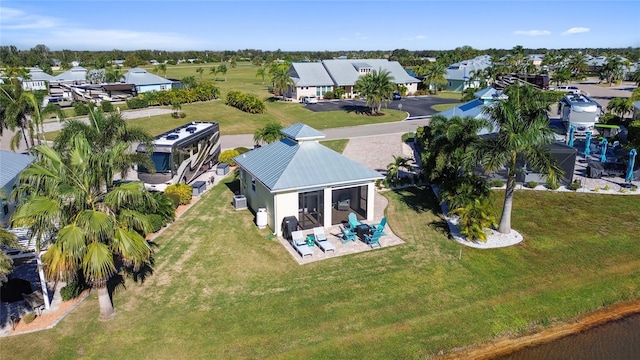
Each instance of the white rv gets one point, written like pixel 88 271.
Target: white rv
pixel 579 111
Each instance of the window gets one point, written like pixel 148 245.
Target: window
pixel 253 184
pixel 163 87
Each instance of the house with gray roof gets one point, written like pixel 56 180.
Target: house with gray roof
pixel 145 81
pixel 459 74
pixel 12 165
pixel 298 176
pixel 77 75
pixel 315 79
pixel 38 80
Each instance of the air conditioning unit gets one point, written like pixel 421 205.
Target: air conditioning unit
pixel 239 202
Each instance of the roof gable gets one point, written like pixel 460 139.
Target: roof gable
pixel 138 76
pixel 300 131
pixel 12 165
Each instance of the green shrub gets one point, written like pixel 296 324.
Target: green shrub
pixel 531 184
pixel 106 106
pixel 29 317
pixel 157 222
pixel 328 95
pixel 496 183
pixel 137 103
pixel 552 185
pixel 71 291
pixel 227 156
pixel 175 198
pixel 574 186
pixel 241 150
pixel 246 102
pixel 408 137
pixel 80 109
pixel 184 192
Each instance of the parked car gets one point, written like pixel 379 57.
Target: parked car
pixel 396 96
pixel 567 89
pixel 309 100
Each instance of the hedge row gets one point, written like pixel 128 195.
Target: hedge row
pixel 246 102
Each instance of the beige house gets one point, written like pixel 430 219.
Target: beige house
pixel 315 79
pixel 298 176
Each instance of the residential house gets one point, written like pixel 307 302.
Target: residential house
pixel 146 82
pixel 298 176
pixel 38 80
pixel 536 59
pixel 459 75
pixel 77 75
pixel 319 77
pixel 636 110
pixel 12 165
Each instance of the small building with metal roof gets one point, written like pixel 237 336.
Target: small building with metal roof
pixel 298 176
pixel 11 165
pixel 37 80
pixel 459 75
pixel 77 75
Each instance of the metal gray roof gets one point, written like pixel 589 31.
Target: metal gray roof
pixel 344 72
pixel 475 109
pixel 38 74
pixel 636 104
pixel 76 73
pixel 490 94
pixel 464 69
pixel 300 131
pixel 310 74
pixel 138 76
pixel 12 164
pixel 291 165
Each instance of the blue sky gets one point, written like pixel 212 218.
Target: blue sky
pixel 318 24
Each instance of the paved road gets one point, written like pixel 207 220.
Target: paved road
pixel 418 106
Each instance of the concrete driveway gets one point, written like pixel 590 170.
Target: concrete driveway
pixel 603 93
pixel 415 106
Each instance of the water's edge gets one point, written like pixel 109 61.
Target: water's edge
pixel 506 345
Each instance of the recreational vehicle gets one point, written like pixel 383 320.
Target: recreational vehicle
pixel 580 111
pixel 181 155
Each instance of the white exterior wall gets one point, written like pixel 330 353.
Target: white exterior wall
pixel 32 85
pixel 371 193
pixel 411 88
pixel 156 87
pixel 302 91
pixel 285 204
pixel 328 207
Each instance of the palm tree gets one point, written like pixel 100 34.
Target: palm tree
pixel 561 75
pixel 222 69
pixel 377 87
pixel 9 239
pixel 578 66
pixel 613 70
pixel 394 168
pixel 281 79
pixel 262 72
pixel 474 216
pixel 435 75
pixel 114 75
pixel 620 106
pixel 523 132
pixel 200 71
pixel 268 134
pixel 214 70
pixel 176 107
pixel 635 77
pixel 163 68
pixel 95 223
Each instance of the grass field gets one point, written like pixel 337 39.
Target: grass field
pixel 221 289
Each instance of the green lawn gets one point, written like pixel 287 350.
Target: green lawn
pixel 443 107
pixel 336 145
pixel 221 289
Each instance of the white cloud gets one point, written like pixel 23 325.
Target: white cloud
pixel 14 19
pixel 532 32
pixel 576 30
pixel 420 37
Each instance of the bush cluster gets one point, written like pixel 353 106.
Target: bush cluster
pixel 496 183
pixel 574 186
pixel 71 291
pixel 29 317
pixel 246 102
pixel 408 137
pixel 177 115
pixel 184 191
pixel 228 155
pixel 106 106
pixel 202 92
pixel 137 103
pixel 241 150
pixel 531 184
pixel 80 108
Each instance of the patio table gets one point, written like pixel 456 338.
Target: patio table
pixel 310 240
pixel 362 230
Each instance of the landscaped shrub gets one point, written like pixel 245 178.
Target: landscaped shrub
pixel 227 156
pixel 241 150
pixel 29 317
pixel 71 291
pixel 184 191
pixel 137 103
pixel 574 186
pixel 531 184
pixel 328 95
pixel 80 108
pixel 246 102
pixel 408 137
pixel 496 183
pixel 175 198
pixel 106 106
pixel 156 221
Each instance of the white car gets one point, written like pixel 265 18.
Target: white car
pixel 309 100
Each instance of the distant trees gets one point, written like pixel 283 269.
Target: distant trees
pixel 280 79
pixel 434 75
pixel 376 87
pixel 614 69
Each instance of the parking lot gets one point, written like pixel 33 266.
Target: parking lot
pixel 419 106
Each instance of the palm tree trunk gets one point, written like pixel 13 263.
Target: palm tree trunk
pixel 505 218
pixel 106 306
pixel 43 281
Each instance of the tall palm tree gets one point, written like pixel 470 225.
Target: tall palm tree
pixel 114 75
pixel 620 106
pixel 281 79
pixel 200 71
pixel 435 75
pixel 94 223
pixel 377 87
pixel 214 70
pixel 261 72
pixel 162 67
pixel 523 132
pixel 578 66
pixel 222 69
pixel 394 168
pixel 613 70
pixel 268 134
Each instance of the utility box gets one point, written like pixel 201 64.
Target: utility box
pixel 239 202
pixel 223 169
pixel 199 187
pixel 261 218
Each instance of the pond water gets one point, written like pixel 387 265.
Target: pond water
pixel 619 340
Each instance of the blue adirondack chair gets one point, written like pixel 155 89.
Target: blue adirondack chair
pixel 374 240
pixel 380 225
pixel 348 235
pixel 353 222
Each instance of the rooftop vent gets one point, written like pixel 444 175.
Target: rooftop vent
pixel 191 129
pixel 172 136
